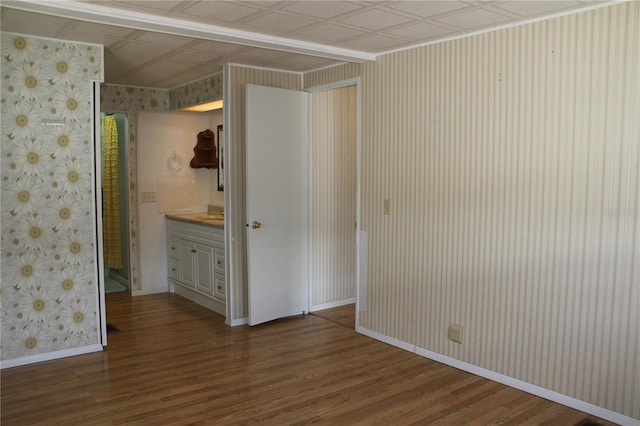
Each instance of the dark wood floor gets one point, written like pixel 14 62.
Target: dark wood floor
pixel 344 315
pixel 175 363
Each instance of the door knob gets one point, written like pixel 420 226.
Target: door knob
pixel 256 225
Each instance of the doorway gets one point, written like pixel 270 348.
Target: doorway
pixel 334 200
pixel 114 129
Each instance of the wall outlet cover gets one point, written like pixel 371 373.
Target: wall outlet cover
pixel 455 333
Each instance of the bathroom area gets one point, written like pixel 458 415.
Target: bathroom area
pixel 114 131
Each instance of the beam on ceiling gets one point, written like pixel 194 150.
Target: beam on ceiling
pixel 147 22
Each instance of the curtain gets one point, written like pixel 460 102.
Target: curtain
pixel 111 195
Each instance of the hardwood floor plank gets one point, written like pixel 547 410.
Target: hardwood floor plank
pixel 173 362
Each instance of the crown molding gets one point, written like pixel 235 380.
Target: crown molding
pixel 146 22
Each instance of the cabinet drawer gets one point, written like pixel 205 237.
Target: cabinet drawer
pixel 219 261
pixel 174 269
pixel 173 248
pixel 219 290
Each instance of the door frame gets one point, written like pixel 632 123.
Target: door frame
pixel 97 208
pixel 360 276
pixel 233 223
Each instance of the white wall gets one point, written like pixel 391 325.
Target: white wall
pixel 159 135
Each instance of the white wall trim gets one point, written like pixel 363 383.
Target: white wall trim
pixel 96 187
pixel 502 27
pixel 330 305
pixel 229 219
pixel 355 81
pixel 154 290
pixel 181 27
pixel 236 322
pixel 505 380
pixel 65 353
pixel 386 339
pixel 255 67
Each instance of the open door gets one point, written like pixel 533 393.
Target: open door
pixel 277 202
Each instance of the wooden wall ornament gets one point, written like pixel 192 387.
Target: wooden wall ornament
pixel 205 153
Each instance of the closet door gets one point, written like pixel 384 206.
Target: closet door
pixel 277 202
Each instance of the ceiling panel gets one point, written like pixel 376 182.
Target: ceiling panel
pixel 154 43
pixel 420 31
pixel 320 9
pixel 375 20
pixel 426 9
pixel 218 11
pixel 330 33
pixel 535 8
pixel 279 23
pixel 474 19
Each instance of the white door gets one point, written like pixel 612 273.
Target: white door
pixel 277 202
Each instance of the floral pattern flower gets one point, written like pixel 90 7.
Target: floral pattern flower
pixel 21 119
pixel 67 286
pixel 29 82
pixel 37 305
pixel 61 66
pixel 76 248
pixel 46 200
pixel 65 212
pixel 73 177
pixel 34 232
pixel 63 141
pixel 22 196
pixel 25 271
pixel 30 158
pixel 78 315
pixel 70 104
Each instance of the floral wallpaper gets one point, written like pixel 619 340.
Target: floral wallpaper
pixel 48 290
pixel 130 100
pixel 206 90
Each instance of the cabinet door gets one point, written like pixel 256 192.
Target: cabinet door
pixel 204 266
pixel 188 263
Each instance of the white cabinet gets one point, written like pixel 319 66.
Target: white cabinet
pixel 196 263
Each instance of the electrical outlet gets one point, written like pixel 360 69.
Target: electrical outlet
pixel 455 333
pixel 148 197
pixel 387 206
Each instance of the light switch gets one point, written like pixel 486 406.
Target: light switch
pixel 387 206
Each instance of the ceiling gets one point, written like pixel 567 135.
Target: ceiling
pixel 164 44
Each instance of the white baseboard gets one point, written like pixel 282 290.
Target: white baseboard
pixel 386 339
pixel 332 304
pixel 31 359
pixel 237 322
pixel 154 290
pixel 554 396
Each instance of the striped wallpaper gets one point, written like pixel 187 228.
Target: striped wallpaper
pixel 329 75
pixel 512 164
pixel 333 197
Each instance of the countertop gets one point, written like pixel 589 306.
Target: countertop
pixel 213 220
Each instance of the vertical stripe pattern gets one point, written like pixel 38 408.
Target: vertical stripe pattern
pixel 333 196
pixel 332 74
pixel 512 164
